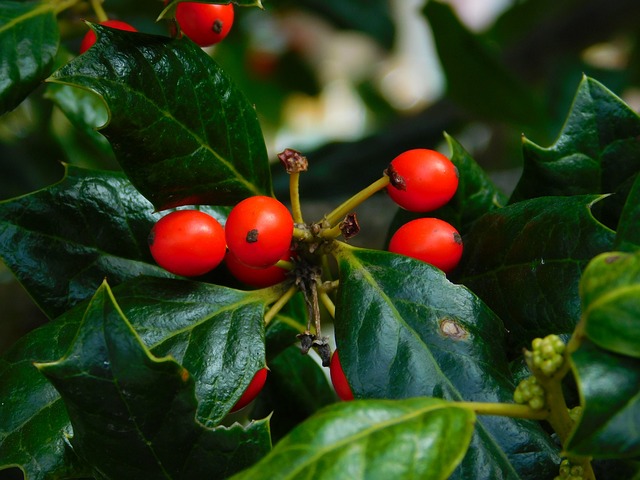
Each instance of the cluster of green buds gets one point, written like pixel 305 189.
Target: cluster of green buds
pixel 547 354
pixel 569 471
pixel 530 392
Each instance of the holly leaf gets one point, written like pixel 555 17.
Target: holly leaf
pixel 133 414
pixel 373 439
pixel 610 292
pixel 33 421
pixel 403 330
pixel 72 235
pixel 29 38
pixel 198 324
pixel 525 261
pixel 182 131
pixel 597 151
pixel 610 388
pixel 476 194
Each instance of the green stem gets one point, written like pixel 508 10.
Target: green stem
pixel 277 306
pixel 302 234
pixel 99 11
pixel 349 205
pixel 294 193
pixel 505 410
pixel 327 302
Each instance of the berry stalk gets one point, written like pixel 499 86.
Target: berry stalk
pixel 99 11
pixel 336 216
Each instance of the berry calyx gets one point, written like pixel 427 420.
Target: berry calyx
pixel 431 240
pixel 204 23
pixel 422 180
pixel 259 231
pixel 256 277
pixel 252 391
pixel 90 37
pixel 338 378
pixel 187 242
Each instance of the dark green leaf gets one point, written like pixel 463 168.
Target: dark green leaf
pixel 216 333
pixel 372 439
pixel 475 196
pixel 628 231
pixel 403 330
pixel 476 77
pixel 610 292
pixel 610 387
pixel 33 422
pixel 73 234
pixel 525 261
pixel 29 39
pixel 133 414
pixel 282 330
pixel 597 150
pixel 182 131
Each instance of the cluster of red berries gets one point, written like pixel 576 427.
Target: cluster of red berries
pixel 424 180
pixel 204 23
pixel 256 235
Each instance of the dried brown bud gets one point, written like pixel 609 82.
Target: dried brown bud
pixel 350 226
pixel 293 161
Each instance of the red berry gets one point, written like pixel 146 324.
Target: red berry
pixel 422 180
pixel 431 240
pixel 252 391
pixel 259 231
pixel 90 37
pixel 256 277
pixel 187 242
pixel 204 23
pixel 338 378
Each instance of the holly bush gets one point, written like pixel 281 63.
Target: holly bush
pixel 522 362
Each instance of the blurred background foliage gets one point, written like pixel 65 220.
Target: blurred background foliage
pixel 352 84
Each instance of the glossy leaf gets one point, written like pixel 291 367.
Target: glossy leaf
pixel 73 234
pixel 133 414
pixel 476 77
pixel 29 38
pixel 182 131
pixel 403 330
pixel 525 261
pixel 374 439
pixel 610 292
pixel 596 151
pixel 476 194
pixel 33 421
pixel 193 322
pixel 610 386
